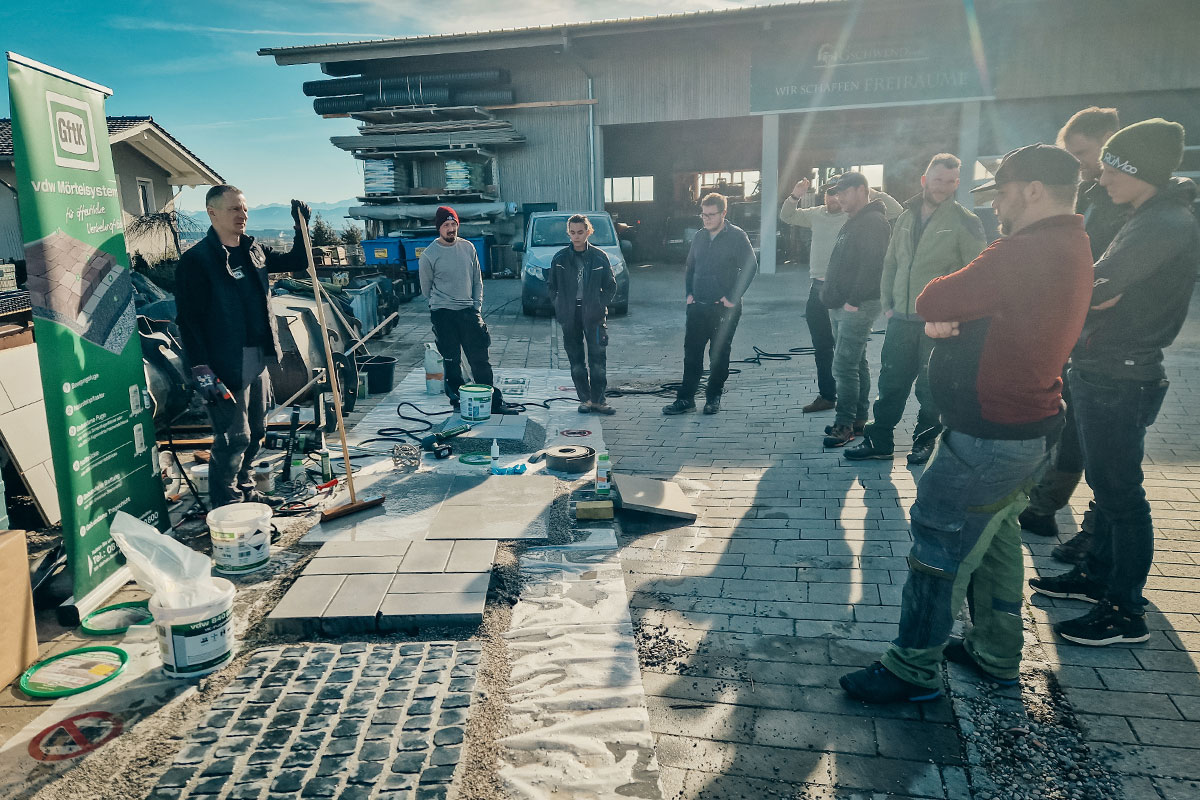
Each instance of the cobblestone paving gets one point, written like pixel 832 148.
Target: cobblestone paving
pixel 356 721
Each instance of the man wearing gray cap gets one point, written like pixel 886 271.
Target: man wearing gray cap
pixel 851 292
pixel 1004 325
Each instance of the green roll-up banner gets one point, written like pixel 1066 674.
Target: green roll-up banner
pixel 97 407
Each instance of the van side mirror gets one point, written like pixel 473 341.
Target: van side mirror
pixel 519 247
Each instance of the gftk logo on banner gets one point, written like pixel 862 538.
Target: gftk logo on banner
pixel 73 133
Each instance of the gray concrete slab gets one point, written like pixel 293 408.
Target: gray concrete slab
pixel 476 522
pixel 426 557
pixel 474 555
pixel 305 601
pixel 353 565
pixel 355 606
pixel 363 549
pixel 401 612
pixel 439 583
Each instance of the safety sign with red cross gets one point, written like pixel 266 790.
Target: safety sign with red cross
pixel 75 736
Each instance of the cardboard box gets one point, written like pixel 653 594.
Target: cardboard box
pixel 18 636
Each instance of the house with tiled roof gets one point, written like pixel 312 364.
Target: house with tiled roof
pixel 151 166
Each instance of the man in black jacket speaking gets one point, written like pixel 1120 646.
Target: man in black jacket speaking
pixel 229 335
pixel 720 266
pixel 581 284
pixel 851 292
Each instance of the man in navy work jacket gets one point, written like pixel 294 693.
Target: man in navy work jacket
pixel 229 335
pixel 720 266
pixel 581 284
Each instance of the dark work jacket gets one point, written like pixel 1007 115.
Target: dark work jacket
pixel 720 266
pixel 210 310
pixel 1102 218
pixel 856 265
pixel 1151 265
pixel 599 286
pixel 1020 306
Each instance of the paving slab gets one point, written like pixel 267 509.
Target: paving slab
pixel 305 601
pixel 515 521
pixel 403 612
pixel 473 555
pixel 440 583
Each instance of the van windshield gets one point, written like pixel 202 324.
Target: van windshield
pixel 552 232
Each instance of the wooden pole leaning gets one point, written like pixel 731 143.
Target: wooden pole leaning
pixel 331 372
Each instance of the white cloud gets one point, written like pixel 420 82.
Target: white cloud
pixel 132 23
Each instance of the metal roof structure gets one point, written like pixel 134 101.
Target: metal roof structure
pixel 149 138
pixel 501 38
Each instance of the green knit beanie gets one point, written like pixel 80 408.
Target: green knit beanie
pixel 1149 150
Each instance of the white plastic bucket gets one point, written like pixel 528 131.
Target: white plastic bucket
pixel 198 640
pixel 199 475
pixel 264 477
pixel 475 402
pixel 241 537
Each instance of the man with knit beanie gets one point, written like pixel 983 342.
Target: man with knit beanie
pixel 1083 136
pixel 1140 295
pixel 453 284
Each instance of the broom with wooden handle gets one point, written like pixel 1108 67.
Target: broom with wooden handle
pixel 355 504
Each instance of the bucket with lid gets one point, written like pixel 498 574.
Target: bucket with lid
pixel 198 639
pixel 475 402
pixel 199 476
pixel 241 537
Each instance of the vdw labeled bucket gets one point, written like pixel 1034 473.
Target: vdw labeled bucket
pixel 475 402
pixel 241 537
pixel 196 640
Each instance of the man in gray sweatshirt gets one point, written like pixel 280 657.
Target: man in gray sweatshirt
pixel 453 284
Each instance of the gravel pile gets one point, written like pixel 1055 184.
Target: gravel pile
pixel 656 648
pixel 1026 744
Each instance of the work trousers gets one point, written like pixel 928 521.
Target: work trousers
pixel 238 430
pixel 905 358
pixel 820 329
pixel 852 331
pixel 588 372
pixel 1057 485
pixel 965 532
pixel 459 331
pixel 1112 417
pixel 710 325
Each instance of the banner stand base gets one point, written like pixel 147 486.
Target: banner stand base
pixel 75 609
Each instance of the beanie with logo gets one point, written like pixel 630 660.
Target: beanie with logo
pixel 1149 150
pixel 442 214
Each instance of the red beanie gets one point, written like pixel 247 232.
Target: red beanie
pixel 442 214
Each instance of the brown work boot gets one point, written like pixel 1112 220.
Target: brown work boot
pixel 819 403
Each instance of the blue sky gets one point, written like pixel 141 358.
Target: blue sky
pixel 194 68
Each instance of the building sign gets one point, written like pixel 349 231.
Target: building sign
pixel 864 60
pixel 97 407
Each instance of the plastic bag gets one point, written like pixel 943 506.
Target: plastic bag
pixel 174 573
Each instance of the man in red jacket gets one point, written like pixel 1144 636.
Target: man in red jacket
pixel 1004 324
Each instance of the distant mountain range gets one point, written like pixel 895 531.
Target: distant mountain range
pixel 279 215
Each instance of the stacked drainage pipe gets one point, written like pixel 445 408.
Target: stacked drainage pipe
pixel 348 95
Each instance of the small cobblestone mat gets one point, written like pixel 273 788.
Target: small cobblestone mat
pixel 356 722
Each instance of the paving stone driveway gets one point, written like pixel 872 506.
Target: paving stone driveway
pixel 793 573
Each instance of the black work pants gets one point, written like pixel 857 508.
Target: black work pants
pixel 459 331
pixel 239 426
pixel 821 331
pixel 588 373
pixel 710 325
